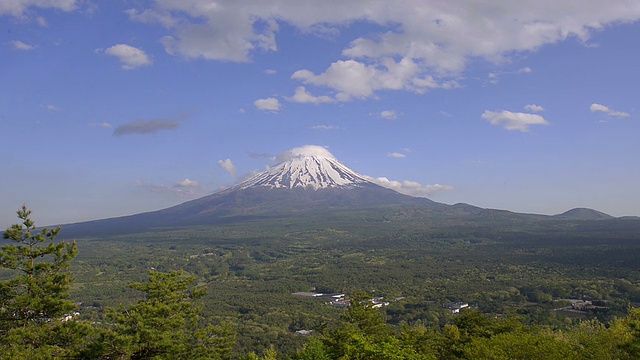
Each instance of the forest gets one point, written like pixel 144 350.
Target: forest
pixel 225 292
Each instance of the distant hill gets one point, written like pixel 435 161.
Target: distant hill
pixel 583 214
pixel 313 186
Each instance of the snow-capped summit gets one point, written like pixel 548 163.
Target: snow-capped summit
pixel 308 167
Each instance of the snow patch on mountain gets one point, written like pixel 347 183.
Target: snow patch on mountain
pixel 310 166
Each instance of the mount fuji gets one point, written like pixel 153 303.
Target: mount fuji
pixel 308 180
pixel 308 183
pixel 309 167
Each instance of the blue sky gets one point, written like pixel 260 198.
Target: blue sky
pixel 114 108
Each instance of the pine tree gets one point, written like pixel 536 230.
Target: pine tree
pixel 34 300
pixel 39 291
pixel 165 324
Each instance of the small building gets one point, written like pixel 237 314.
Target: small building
pixel 340 303
pixel 304 332
pixel 334 296
pixel 379 304
pixel 306 294
pixel 456 307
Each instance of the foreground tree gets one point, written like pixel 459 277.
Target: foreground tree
pixel 35 310
pixel 165 324
pixel 362 334
pixel 39 290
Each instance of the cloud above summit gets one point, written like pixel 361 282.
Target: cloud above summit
pixel 304 151
pixel 406 187
pixel 418 45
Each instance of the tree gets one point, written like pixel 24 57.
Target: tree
pixel 361 335
pixel 39 292
pixel 165 324
pixel 35 300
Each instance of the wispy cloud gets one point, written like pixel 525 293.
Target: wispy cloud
pixel 513 120
pixel 268 104
pixel 302 96
pixel 396 155
pixel 494 76
pixel 19 7
pixel 187 183
pixel 228 166
pixel 150 16
pixel 143 127
pixel 42 21
pixel 52 107
pixel 412 188
pixel 129 56
pixel 255 155
pixel 608 111
pixel 534 108
pixel 325 127
pixel 183 189
pixel 19 45
pixel 389 115
pixel 270 72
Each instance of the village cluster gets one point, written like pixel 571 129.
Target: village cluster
pixel 338 299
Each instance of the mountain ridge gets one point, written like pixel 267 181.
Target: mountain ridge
pixel 309 182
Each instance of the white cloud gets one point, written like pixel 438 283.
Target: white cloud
pixel 270 72
pixel 306 150
pixel 388 115
pixel 410 187
pixel 325 127
pixel 354 79
pixel 513 121
pixel 417 44
pixel 129 56
pixel 609 112
pixel 270 104
pixel 534 108
pixel 19 7
pixel 19 45
pixel 302 96
pixel 494 76
pixel 397 155
pixel 228 166
pixel 153 16
pixel 619 114
pixel 187 183
pixel 42 21
pixel 599 108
